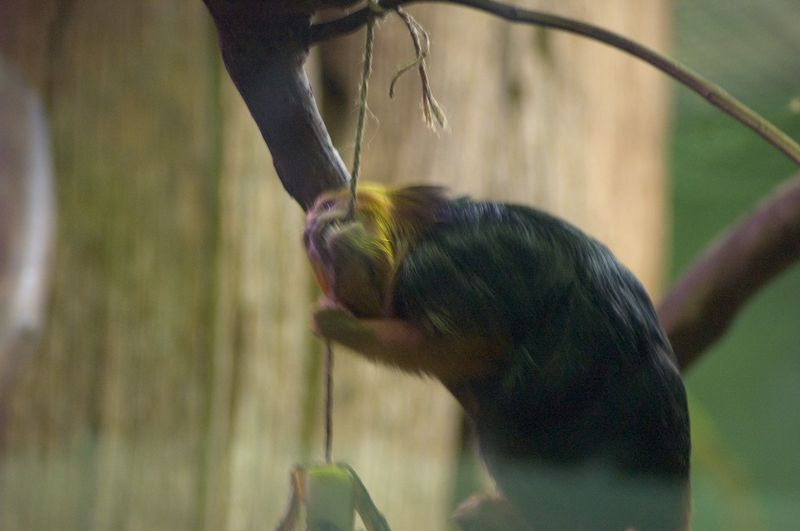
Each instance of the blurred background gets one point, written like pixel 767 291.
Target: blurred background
pixel 171 381
pixel 746 466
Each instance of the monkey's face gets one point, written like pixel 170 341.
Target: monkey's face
pixel 351 252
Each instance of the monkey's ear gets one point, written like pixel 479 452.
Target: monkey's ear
pixel 399 343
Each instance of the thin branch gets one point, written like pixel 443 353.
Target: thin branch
pixel 708 90
pixel 700 308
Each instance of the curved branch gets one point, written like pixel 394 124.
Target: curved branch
pixel 704 302
pixel 708 90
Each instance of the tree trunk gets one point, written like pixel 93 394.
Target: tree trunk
pixel 176 382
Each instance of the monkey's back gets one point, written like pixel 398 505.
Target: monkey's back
pixel 584 422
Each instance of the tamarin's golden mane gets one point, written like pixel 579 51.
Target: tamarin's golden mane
pixel 399 216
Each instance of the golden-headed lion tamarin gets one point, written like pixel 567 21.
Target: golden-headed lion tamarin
pixel 551 346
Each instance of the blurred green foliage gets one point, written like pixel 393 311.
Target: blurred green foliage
pixel 745 393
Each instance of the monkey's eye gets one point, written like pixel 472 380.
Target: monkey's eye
pixel 327 204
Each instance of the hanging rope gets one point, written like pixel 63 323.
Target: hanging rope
pixel 328 402
pixel 433 114
pixel 431 110
pixel 366 72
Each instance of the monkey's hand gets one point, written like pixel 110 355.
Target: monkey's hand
pixel 401 344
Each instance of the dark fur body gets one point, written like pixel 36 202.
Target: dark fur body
pixel 584 422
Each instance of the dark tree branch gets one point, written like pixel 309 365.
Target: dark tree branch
pixel 704 302
pixel 708 90
pixel 263 48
